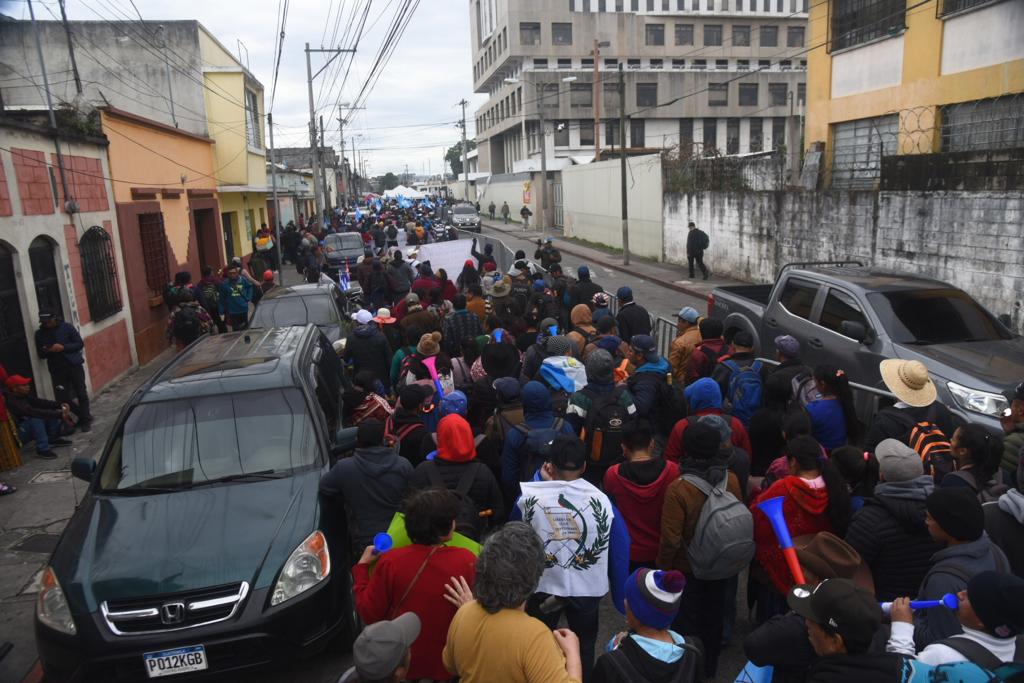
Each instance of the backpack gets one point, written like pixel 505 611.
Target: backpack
pixel 960 672
pixel 392 232
pixel 803 390
pixel 978 654
pixel 504 418
pixel 688 669
pixel 396 436
pixel 745 389
pixel 186 324
pixel 710 358
pixel 521 290
pixel 461 373
pixel 602 429
pixel 588 338
pixel 470 521
pixel 723 541
pixel 531 455
pixel 211 296
pixel 934 447
pixel 705 241
pixel 987 493
pixel 670 405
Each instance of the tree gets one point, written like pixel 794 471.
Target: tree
pixel 454 155
pixel 389 182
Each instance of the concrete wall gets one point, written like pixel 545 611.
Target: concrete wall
pixel 592 204
pixel 509 188
pixel 970 239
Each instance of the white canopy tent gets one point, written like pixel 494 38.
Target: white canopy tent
pixel 403 191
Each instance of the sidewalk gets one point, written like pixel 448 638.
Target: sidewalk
pixel 32 519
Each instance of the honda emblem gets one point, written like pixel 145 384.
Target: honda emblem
pixel 172 613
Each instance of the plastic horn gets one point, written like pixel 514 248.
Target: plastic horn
pixel 383 542
pixel 773 509
pixel 949 600
pixel 498 333
pixel 553 330
pixel 431 363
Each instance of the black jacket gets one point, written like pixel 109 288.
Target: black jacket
pixel 367 348
pixel 781 642
pixel 896 423
pixel 695 241
pixel 22 407
pixel 484 492
pixel 890 535
pixel 652 670
pixel 65 334
pixel 583 293
pixel 633 319
pixel 1004 522
pixel 867 668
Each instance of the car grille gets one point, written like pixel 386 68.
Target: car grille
pixel 174 611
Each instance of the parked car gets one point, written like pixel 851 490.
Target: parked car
pixel 465 217
pixel 325 305
pixel 201 547
pixel 854 316
pixel 340 247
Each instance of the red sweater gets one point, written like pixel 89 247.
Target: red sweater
pixel 377 598
pixel 640 505
pixel 805 511
pixel 674 448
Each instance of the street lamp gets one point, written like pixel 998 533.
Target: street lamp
pixel 542 95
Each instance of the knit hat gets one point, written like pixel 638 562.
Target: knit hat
pixel 624 294
pixel 411 396
pixel 897 461
pixel 599 365
pixel 557 346
pixel 605 325
pixel 545 326
pixel 455 439
pixel 703 394
pixel 610 344
pixel 998 600
pixel 653 596
pixel 583 272
pixel 719 424
pixel 430 344
pixel 454 403
pixel 958 512
pixel 701 441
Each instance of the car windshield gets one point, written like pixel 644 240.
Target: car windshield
pixel 935 316
pixel 464 211
pixel 295 310
pixel 337 241
pixel 186 443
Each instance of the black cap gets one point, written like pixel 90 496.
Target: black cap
pixel 370 433
pixel 839 606
pixel 743 338
pixel 998 601
pixel 701 441
pixel 958 512
pixel 566 452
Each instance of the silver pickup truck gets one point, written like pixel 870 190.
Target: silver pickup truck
pixel 852 316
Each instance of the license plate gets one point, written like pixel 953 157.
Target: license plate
pixel 178 661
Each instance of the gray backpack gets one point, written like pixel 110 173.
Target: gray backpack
pixel 723 542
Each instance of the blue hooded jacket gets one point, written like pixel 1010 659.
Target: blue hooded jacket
pixel 644 385
pixel 537 414
pixel 704 394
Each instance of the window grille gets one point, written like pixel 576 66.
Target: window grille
pixel 154 251
pixel 99 270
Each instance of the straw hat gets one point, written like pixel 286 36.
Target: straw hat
pixel 502 288
pixel 909 380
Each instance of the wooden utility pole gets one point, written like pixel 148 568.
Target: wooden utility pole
pixel 465 152
pixel 71 48
pixel 622 153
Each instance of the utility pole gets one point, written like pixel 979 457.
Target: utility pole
pixel 465 152
pixel 622 152
pixel 355 171
pixel 49 110
pixel 323 166
pixel 597 94
pixel 277 207
pixel 313 146
pixel 543 162
pixel 167 71
pixel 345 178
pixel 71 48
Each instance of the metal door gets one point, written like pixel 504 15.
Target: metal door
pixel 556 193
pixel 13 342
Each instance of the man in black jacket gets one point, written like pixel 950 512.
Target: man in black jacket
pixel 367 348
pixel 696 242
pixel 62 347
pixel 37 419
pixel 584 290
pixel 633 319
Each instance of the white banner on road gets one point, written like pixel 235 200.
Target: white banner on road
pixel 448 255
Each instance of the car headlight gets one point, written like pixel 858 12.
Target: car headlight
pixel 308 565
pixel 978 401
pixel 51 605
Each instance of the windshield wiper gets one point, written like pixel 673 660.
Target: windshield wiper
pixel 263 474
pixel 142 490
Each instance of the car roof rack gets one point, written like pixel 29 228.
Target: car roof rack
pixel 806 264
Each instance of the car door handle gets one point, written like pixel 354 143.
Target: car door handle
pixel 772 322
pixel 816 343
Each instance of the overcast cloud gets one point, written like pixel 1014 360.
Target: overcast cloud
pixel 425 78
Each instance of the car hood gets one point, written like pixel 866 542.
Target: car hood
pixel 122 547
pixel 987 365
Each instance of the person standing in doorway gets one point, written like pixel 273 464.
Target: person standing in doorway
pixel 60 344
pixel 696 242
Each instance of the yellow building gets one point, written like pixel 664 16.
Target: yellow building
pixel 235 114
pixel 909 77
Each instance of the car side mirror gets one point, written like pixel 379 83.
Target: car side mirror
pixel 83 468
pixel 857 331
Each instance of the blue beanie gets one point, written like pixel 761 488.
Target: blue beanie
pixel 583 272
pixel 454 403
pixel 703 395
pixel 653 596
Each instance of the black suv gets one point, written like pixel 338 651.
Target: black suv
pixel 201 546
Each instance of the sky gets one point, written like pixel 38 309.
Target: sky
pixel 410 113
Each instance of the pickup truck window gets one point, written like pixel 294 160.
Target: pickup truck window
pixel 934 316
pixel 798 297
pixel 840 307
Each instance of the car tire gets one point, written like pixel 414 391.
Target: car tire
pixel 351 624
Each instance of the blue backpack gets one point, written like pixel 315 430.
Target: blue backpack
pixel 981 666
pixel 745 389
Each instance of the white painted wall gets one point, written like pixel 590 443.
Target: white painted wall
pixel 869 67
pixel 983 37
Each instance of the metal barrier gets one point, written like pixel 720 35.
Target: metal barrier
pixel 665 332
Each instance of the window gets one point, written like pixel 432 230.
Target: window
pixel 550 96
pixel 722 64
pixel 801 93
pixel 654 34
pixel 983 124
pixel 840 307
pixel 253 122
pixel 947 7
pixel 732 136
pixel 685 133
pixel 748 94
pixel 561 34
pixel 561 133
pixel 611 63
pixel 769 36
pixel 778 94
pixel 684 34
pixel 581 95
pixel 778 132
pixel 586 133
pixel 633 64
pixel 587 63
pixel 857 150
pixel 712 34
pixel 678 63
pixel 803 65
pixel 154 251
pixel 564 64
pixel 611 98
pixel 529 33
pixel 785 65
pixel 718 94
pixel 611 133
pixel 636 133
pixel 710 136
pixel 646 94
pixel 764 64
pixel 43 257
pixel 859 21
pixel 99 270
pixel 798 297
pixel 657 63
pixel 700 64
pixel 743 65
pixel 756 135
pixel 741 36
pixel 795 36
pixel 938 316
pixel 540 63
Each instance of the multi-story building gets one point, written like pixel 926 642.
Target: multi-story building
pixel 894 81
pixel 711 76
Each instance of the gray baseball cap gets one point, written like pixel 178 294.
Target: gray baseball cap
pixel 381 647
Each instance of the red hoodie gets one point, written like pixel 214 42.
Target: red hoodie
pixel 804 509
pixel 640 505
pixel 674 448
pixel 455 441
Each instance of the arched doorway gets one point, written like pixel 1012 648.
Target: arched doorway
pixel 42 255
pixel 14 345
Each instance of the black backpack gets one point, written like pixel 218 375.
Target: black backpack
pixel 211 297
pixel 688 668
pixel 602 429
pixel 670 403
pixel 532 455
pixel 471 521
pixel 186 324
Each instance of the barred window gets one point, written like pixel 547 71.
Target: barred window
pixel 947 7
pixel 154 251
pixel 857 150
pixel 860 21
pixel 983 124
pixel 581 95
pixel 253 129
pixel 646 94
pixel 99 270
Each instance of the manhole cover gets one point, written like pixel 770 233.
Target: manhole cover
pixel 51 477
pixel 38 543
